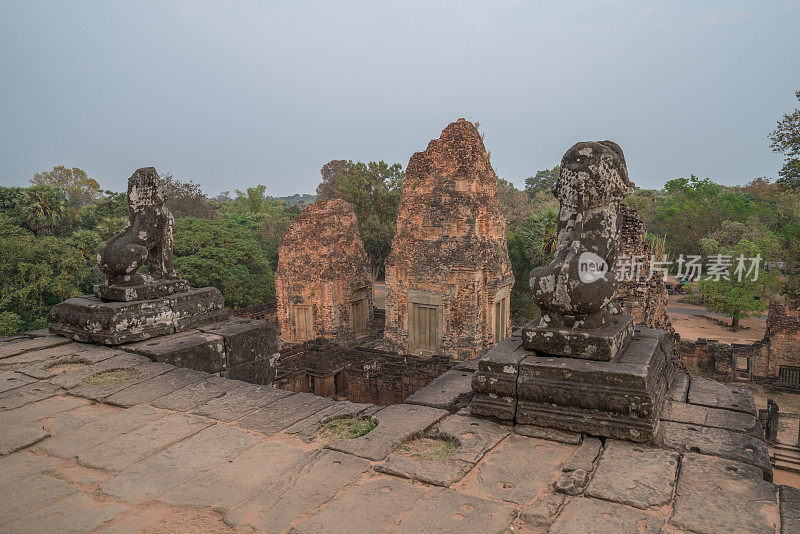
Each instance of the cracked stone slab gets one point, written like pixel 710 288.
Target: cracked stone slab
pixel 446 511
pixel 80 354
pixel 179 463
pixel 585 456
pixel 590 516
pixel 75 379
pixel 475 436
pixel 77 513
pixel 543 511
pixel 789 509
pixel 231 483
pixel 308 428
pixel 23 464
pixel 450 391
pixel 283 413
pixel 715 394
pixel 572 482
pixel 297 492
pixel 678 388
pixel 369 508
pixel 73 442
pixel 694 414
pixel 633 474
pixel 131 447
pixel 146 371
pixel 20 362
pixel 26 496
pixel 18 436
pixel 156 387
pixel 716 495
pixel 395 424
pixel 519 469
pixel 27 394
pixel 18 346
pixel 190 397
pixel 238 402
pixel 550 434
pixel 10 380
pixel 715 442
pixel 443 472
pixel 42 409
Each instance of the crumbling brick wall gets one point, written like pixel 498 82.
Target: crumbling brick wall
pixel 783 335
pixel 449 254
pixel 322 271
pixel 645 299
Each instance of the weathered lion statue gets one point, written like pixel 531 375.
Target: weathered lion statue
pixel 147 238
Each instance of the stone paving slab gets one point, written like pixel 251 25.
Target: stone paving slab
pixel 449 391
pixel 11 380
pixel 715 394
pixel 543 511
pixel 156 387
pixel 550 434
pixel 131 447
pixel 519 469
pixel 590 516
pixel 81 354
pixel 73 442
pixel 29 495
pixel 190 397
pixel 370 508
pixel 245 399
pixel 21 465
pixel 179 463
pixel 634 474
pixel 27 394
pixel 300 490
pixel 693 414
pixel 475 436
pixel 231 483
pixel 445 511
pixel 585 456
pixel 66 421
pixel 715 442
pixel 283 413
pixel 396 424
pixel 20 362
pixel 716 495
pixel 18 436
pixel 18 346
pixel 789 509
pixel 77 514
pixel 75 379
pixel 146 371
pixel 191 349
pixel 308 428
pixel 443 472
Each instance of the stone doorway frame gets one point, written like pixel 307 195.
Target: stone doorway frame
pixel 424 299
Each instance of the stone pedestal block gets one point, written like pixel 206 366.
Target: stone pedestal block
pixel 601 344
pixel 154 290
pixel 620 399
pixel 495 381
pixel 89 319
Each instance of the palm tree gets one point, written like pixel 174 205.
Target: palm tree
pixel 540 235
pixel 43 207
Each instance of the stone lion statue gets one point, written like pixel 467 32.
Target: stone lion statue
pixel 146 238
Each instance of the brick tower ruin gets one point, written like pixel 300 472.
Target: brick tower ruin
pixel 448 277
pixel 323 283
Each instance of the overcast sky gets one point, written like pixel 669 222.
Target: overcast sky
pixel 233 94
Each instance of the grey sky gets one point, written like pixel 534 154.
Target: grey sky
pixel 233 94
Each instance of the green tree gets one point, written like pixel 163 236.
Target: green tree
pixel 743 292
pixel 785 139
pixel 42 208
pixel 542 181
pixel 374 189
pixel 76 185
pixel 227 255
pixel 186 199
pixel 331 172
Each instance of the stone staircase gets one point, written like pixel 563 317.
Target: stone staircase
pixel 785 455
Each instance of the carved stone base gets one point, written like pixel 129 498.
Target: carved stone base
pixel 601 344
pixel 154 290
pixel 89 319
pixel 620 399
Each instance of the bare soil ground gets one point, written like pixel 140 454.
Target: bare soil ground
pixel 689 321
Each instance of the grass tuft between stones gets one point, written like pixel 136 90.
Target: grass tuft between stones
pixel 64 367
pixel 110 377
pixel 429 448
pixel 348 428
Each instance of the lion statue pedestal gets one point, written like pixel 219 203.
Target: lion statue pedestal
pixel 131 305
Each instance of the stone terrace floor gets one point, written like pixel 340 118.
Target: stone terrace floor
pixel 175 450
